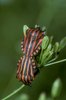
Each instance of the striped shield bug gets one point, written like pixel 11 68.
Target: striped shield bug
pixel 27 68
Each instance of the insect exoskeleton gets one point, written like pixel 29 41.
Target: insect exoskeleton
pixel 30 46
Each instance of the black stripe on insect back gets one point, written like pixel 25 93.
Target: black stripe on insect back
pixel 36 32
pixel 23 61
pixel 26 42
pixel 26 79
pixel 28 38
pixel 28 76
pixel 31 40
pixel 24 70
pixel 23 65
pixel 30 73
pixel 28 49
pixel 27 62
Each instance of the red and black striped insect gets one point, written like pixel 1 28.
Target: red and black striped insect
pixel 27 68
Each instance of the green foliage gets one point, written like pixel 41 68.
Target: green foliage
pixel 45 42
pixel 13 15
pixel 25 27
pixel 56 47
pixel 55 91
pixel 62 43
pixel 42 96
pixel 56 88
pixel 22 97
pixel 46 54
pixel 49 51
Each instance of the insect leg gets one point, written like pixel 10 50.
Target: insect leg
pixel 34 65
pixel 22 46
pixel 18 74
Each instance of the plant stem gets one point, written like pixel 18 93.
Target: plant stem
pixel 55 62
pixel 11 94
pixel 53 59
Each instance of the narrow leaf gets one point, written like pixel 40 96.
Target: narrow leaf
pixel 45 42
pixel 62 43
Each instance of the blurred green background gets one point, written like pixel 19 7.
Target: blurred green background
pixel 13 15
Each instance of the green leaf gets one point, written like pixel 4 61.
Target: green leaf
pixel 49 47
pixel 62 43
pixel 37 26
pixel 45 42
pixel 51 39
pixel 49 56
pixel 42 96
pixel 56 88
pixel 56 47
pixel 45 54
pixel 43 28
pixel 25 28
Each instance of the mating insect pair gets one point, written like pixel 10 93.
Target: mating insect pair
pixel 27 67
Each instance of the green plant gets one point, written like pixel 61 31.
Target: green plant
pixel 49 53
pixel 55 91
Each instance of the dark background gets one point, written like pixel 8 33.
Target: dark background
pixel 13 15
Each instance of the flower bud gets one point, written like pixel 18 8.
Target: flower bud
pixel 56 88
pixel 46 54
pixel 56 47
pixel 45 42
pixel 42 96
pixel 62 43
pixel 25 28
